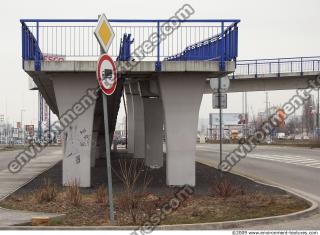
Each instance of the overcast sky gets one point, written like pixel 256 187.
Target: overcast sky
pixel 268 29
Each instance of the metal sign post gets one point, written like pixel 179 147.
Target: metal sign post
pixel 219 87
pixel 220 117
pixel 107 79
pixel 106 130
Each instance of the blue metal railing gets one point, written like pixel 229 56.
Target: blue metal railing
pixel 58 39
pixel 277 66
pixel 125 48
pixel 30 47
pixel 223 47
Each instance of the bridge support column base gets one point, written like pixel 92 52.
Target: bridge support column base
pixel 130 120
pixel 139 130
pixel 153 119
pixel 181 96
pixel 94 148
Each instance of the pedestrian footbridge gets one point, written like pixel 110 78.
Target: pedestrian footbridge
pixel 163 70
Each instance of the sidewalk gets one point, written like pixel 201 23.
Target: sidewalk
pixel 9 183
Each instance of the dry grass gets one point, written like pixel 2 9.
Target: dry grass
pixel 135 178
pixel 46 193
pixel 197 209
pixel 101 194
pixel 255 200
pixel 73 194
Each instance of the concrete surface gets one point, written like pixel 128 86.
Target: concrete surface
pixel 295 169
pixel 181 98
pixel 153 119
pixel 11 182
pixel 209 67
pixel 77 136
pixel 14 217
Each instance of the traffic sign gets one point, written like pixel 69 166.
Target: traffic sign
pixel 104 33
pixel 224 85
pixel 215 100
pixel 106 74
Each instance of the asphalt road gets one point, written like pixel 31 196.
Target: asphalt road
pixel 297 169
pixel 6 157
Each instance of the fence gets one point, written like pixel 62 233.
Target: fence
pixel 278 66
pixel 75 40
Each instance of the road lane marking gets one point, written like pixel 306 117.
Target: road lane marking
pixel 297 160
pixel 288 159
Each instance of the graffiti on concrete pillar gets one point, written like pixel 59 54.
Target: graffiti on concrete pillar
pixel 72 144
pixel 84 138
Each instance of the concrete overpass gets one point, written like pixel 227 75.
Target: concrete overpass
pixel 163 94
pixel 163 90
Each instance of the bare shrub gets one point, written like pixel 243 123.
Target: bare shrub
pixel 101 195
pixel 73 194
pixel 225 189
pixel 136 179
pixel 47 192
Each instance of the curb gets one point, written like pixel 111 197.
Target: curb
pixel 312 210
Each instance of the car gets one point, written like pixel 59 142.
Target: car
pixel 122 140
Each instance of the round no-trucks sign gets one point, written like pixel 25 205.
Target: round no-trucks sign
pixel 107 74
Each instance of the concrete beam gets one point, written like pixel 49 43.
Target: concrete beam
pixel 265 83
pixel 142 67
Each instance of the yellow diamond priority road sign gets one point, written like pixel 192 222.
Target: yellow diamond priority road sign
pixel 104 33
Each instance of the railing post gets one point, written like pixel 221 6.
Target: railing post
pixel 37 59
pixel 313 65
pixel 248 69
pixel 270 67
pixel 256 75
pixel 301 65
pixel 222 49
pixel 279 68
pixel 158 63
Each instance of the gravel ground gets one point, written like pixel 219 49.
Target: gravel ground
pixel 206 177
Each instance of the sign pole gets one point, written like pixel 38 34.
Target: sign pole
pixel 107 78
pixel 220 120
pixel 106 130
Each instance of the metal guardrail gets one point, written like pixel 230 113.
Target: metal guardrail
pixel 59 39
pixel 277 66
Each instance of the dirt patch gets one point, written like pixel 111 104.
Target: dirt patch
pixel 215 198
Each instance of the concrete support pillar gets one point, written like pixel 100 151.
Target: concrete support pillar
pixel 94 148
pixel 153 119
pixel 102 147
pixel 139 129
pixel 181 96
pixel 130 119
pixel 76 110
